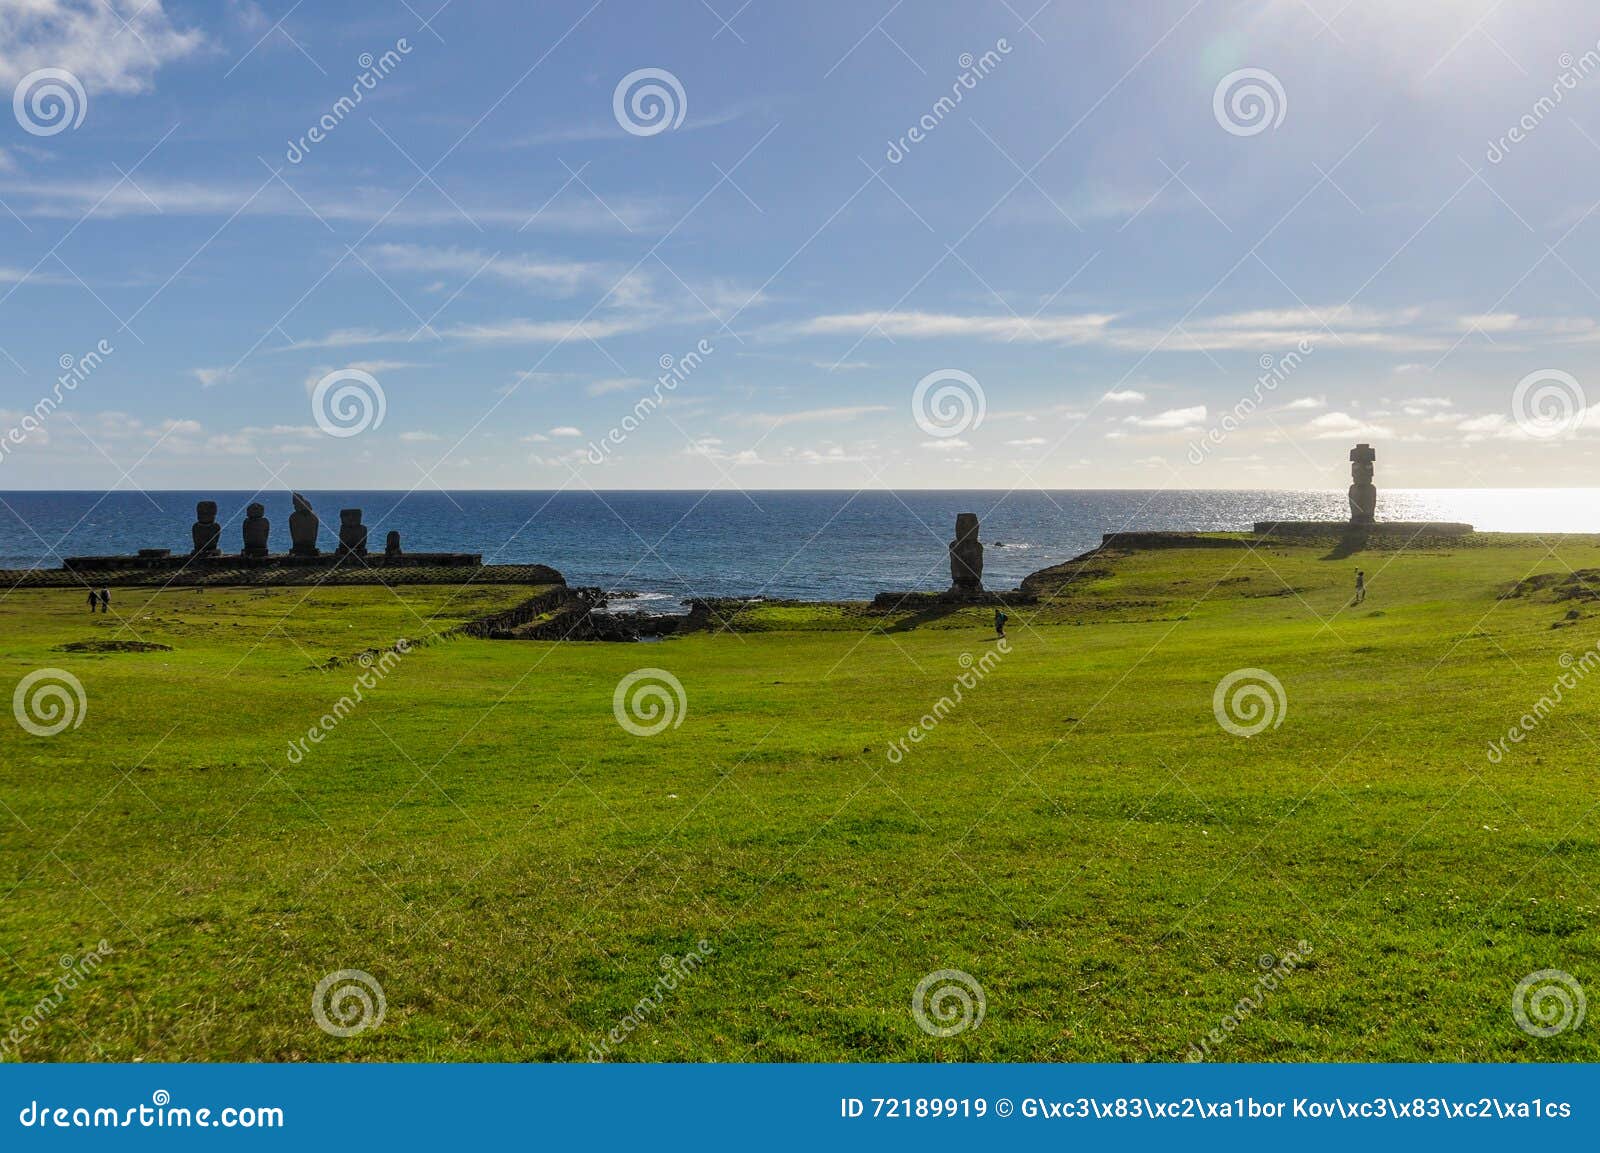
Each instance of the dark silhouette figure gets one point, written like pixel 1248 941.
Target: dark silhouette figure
pixel 94 599
pixel 105 600
pixel 1361 586
pixel 1000 619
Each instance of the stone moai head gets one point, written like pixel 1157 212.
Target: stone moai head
pixel 205 511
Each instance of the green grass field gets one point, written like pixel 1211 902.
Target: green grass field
pixel 1079 833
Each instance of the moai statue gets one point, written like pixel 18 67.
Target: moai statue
pixel 303 525
pixel 352 533
pixel 966 557
pixel 207 532
pixel 1363 496
pixel 391 545
pixel 256 529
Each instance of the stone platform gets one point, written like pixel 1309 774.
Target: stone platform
pixel 158 560
pixel 412 569
pixel 1390 528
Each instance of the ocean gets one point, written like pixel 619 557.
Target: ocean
pixel 819 545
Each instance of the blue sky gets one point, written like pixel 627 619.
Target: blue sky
pixel 1094 248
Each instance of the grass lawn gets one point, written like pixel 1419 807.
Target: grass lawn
pixel 1079 833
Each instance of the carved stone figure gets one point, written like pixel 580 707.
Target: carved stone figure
pixel 352 533
pixel 1363 496
pixel 207 532
pixel 966 556
pixel 303 525
pixel 256 529
pixel 391 545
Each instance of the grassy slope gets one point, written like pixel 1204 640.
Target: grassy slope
pixel 1080 835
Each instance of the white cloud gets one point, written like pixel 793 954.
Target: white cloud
pixel 948 444
pixel 1172 418
pixel 1050 329
pixel 559 275
pixel 109 45
pixel 566 430
pixel 1306 403
pixel 1123 396
pixel 1027 442
pixel 1340 425
pixel 808 416
pixel 418 437
pixel 614 384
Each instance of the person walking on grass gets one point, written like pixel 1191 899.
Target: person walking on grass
pixel 1361 587
pixel 105 600
pixel 1000 619
pixel 94 599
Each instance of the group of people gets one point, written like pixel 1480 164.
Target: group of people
pixel 101 598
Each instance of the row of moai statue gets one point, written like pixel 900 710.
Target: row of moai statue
pixel 303 527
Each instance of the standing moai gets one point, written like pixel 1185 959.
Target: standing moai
pixel 207 533
pixel 256 530
pixel 1363 496
pixel 352 533
pixel 303 525
pixel 391 544
pixel 966 557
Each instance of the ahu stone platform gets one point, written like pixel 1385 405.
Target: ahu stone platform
pixel 413 569
pixel 1392 528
